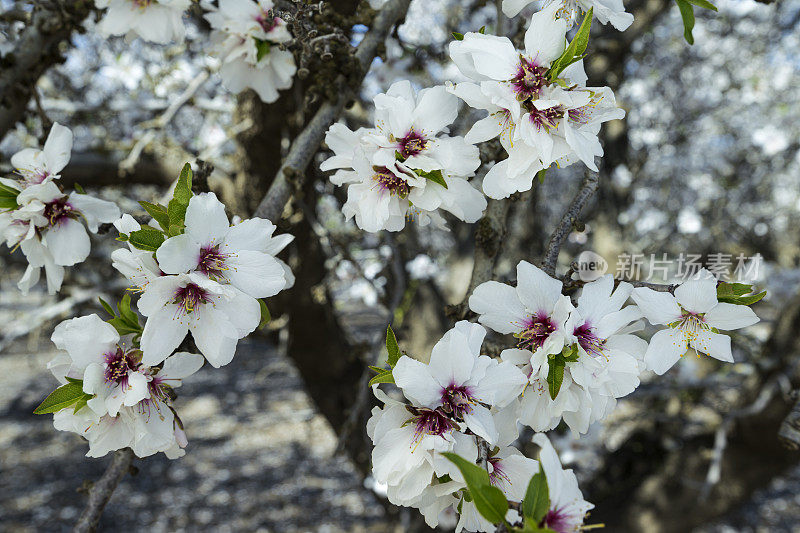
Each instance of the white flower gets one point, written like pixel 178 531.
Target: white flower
pixel 217 315
pixel 460 382
pixel 605 10
pixel 610 357
pixel 539 120
pixel 137 265
pixel 395 170
pixel 242 255
pixel 47 226
pixel 158 21
pixel 405 443
pixel 567 506
pixel 535 311
pixel 693 315
pixel 130 404
pixel 245 37
pixel 36 166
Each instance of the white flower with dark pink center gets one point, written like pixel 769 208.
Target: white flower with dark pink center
pixel 405 168
pixel 217 315
pixel 36 166
pixel 245 38
pixel 242 255
pixel 605 11
pixel 47 225
pixel 568 509
pixel 158 21
pixel 137 265
pixel 534 311
pixel 694 318
pixel 460 383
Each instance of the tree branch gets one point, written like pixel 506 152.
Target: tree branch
pixel 102 490
pixel 564 227
pixel 307 143
pixel 36 50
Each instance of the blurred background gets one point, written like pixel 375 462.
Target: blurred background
pixel 707 161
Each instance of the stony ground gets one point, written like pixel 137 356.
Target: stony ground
pixel 260 458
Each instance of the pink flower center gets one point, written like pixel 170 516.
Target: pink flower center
pixel 430 422
pixel 560 521
pixel 58 210
pixel 498 477
pixel 536 329
pixel 388 181
pixel 529 80
pixel 118 365
pixel 267 20
pixel 545 118
pixel 589 340
pixel 457 401
pixel 189 297
pixel 212 262
pixel 412 144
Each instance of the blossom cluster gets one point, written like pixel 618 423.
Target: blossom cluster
pixel 38 217
pixel 406 166
pixel 197 273
pixel 568 362
pixel 606 11
pixel 246 37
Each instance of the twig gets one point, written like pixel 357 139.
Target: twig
pixel 564 227
pixel 102 490
pixel 308 141
pixel 789 433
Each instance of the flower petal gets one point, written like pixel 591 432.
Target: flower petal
pixel 498 306
pixel 657 307
pixel 716 345
pixel 537 290
pixel 730 316
pixel 206 221
pixel 698 295
pixel 665 349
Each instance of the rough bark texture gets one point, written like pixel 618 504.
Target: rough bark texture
pixel 38 48
pixel 102 490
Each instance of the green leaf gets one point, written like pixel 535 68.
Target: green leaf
pixel 147 238
pixel 176 209
pixel 124 327
pixel 262 49
pixel 7 202
pixel 107 307
pixel 78 188
pixel 458 36
pixel 705 4
pixel 570 353
pixel 540 175
pixel 391 347
pixel 573 52
pixel 555 376
pixel 61 398
pixel 124 307
pixel 385 376
pixel 687 14
pixel 489 500
pixel 537 498
pixel 265 316
pixel 435 176
pixel 750 300
pixel 482 31
pixel 738 293
pixel 8 190
pixel 158 212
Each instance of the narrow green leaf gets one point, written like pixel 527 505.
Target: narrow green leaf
pixel 574 51
pixel 176 209
pixel 687 14
pixel 705 4
pixel 541 174
pixel 384 377
pixel 124 327
pixel 265 315
pixel 458 36
pixel 124 308
pixel 555 376
pixel 733 289
pixel 107 307
pixel 78 188
pixel 537 498
pixel 750 300
pixel 435 176
pixel 8 190
pixel 482 31
pixel 392 347
pixel 147 238
pixel 61 398
pixel 158 212
pixel 489 501
pixel 7 202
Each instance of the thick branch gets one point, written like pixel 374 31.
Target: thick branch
pixel 308 141
pixel 102 490
pixel 36 50
pixel 564 226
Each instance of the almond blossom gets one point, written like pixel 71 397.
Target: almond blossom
pixel 540 119
pixel 130 403
pixel 246 37
pixel 459 382
pixel 36 166
pixel 217 315
pixel 604 10
pixel 158 21
pixel 694 317
pixel 405 167
pixel 242 255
